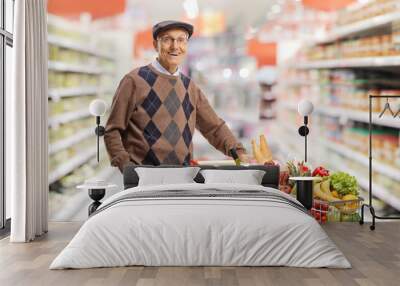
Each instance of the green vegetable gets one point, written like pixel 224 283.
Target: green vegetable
pixel 344 183
pixel 350 217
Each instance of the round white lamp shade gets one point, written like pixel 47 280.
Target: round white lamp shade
pixel 97 107
pixel 305 107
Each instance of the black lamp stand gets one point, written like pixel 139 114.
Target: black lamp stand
pixel 100 130
pixel 369 205
pixel 304 131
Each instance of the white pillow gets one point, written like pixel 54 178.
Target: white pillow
pixel 248 177
pixel 163 176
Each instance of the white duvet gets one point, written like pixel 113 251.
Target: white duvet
pixel 200 231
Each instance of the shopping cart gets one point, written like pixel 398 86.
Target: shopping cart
pixel 338 211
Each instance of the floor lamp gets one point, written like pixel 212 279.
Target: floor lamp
pixel 97 108
pixel 305 108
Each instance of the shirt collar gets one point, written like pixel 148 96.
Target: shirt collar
pixel 156 64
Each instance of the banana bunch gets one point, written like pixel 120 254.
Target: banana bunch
pixel 322 190
pixel 262 154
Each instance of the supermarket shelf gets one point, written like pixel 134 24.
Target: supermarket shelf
pixel 378 22
pixel 67 43
pixel 66 67
pixel 68 142
pixel 72 164
pixel 348 114
pixel 312 83
pixel 341 149
pixel 378 191
pixel 106 173
pixel 292 140
pixel 69 116
pixel 290 83
pixel 75 208
pixel 56 93
pixel 389 171
pixel 361 116
pixel 393 61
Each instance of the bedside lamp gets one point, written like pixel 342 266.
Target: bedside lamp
pixel 97 108
pixel 305 108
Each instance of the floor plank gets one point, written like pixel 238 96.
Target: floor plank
pixel 375 257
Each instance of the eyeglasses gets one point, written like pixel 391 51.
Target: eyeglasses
pixel 167 40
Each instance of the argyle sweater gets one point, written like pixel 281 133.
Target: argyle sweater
pixel 153 118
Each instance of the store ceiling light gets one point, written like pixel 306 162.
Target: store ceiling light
pixel 244 73
pixel 227 73
pixel 191 8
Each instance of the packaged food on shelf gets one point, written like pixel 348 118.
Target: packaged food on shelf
pixel 368 46
pixel 367 10
pixel 339 85
pixel 69 129
pixel 64 155
pixel 66 79
pixel 88 170
pixel 69 104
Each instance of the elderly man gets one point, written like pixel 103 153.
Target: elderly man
pixel 156 109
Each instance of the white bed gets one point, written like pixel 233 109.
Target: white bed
pixel 185 230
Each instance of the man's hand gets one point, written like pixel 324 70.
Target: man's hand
pixel 243 158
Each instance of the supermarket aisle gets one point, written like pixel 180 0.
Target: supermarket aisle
pixel 359 56
pixel 81 69
pixel 253 75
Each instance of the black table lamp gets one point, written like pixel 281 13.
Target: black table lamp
pixel 97 108
pixel 305 108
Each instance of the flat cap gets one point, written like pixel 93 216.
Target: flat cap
pixel 167 25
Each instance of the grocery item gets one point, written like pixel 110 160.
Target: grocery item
pixel 344 183
pixel 319 211
pixel 353 198
pixel 333 214
pixel 284 185
pixel 326 186
pixel 335 194
pixel 298 169
pixel 235 156
pixel 257 153
pixel 264 148
pixel 320 171
pixel 323 195
pixel 261 153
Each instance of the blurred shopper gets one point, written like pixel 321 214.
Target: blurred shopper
pixel 267 80
pixel 156 109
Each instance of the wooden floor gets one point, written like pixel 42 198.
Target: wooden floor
pixel 375 257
